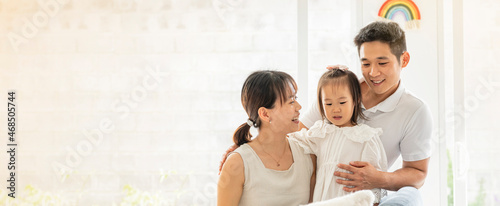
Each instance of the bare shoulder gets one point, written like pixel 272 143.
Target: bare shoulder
pixel 235 159
pixel 234 165
pixel 231 181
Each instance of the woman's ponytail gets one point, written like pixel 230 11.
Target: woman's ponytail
pixel 242 134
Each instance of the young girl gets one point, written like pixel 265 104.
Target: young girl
pixel 338 138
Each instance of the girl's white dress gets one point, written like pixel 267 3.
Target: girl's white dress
pixel 333 145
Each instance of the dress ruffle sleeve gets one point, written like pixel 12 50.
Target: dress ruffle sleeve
pixel 362 133
pixel 301 139
pixel 310 139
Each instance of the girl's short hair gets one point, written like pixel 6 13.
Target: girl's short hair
pixel 342 77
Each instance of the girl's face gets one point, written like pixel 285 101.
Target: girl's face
pixel 285 117
pixel 337 104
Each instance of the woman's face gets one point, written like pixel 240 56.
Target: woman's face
pixel 285 117
pixel 337 104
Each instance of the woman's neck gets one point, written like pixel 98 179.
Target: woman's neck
pixel 271 139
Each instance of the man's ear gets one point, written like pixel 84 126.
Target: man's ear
pixel 405 59
pixel 264 114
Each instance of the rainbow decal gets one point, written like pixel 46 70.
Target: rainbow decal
pixel 392 8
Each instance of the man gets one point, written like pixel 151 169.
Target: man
pixel 406 120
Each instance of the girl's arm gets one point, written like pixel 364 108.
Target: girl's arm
pixel 313 178
pixel 374 154
pixel 231 180
pixel 309 145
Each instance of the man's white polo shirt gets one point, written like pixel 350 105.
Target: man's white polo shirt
pixel 406 122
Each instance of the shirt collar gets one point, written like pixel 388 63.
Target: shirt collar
pixel 389 104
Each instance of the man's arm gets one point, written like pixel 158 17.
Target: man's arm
pixel 412 174
pixel 365 176
pixel 231 180
pixel 313 179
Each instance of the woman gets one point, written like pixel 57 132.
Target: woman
pixel 267 170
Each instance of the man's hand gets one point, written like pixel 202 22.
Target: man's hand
pixel 338 66
pixel 225 155
pixel 364 176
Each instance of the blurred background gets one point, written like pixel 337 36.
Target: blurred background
pixel 130 102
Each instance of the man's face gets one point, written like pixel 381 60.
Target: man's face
pixel 380 67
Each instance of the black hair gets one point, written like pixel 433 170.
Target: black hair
pixel 385 32
pixel 344 77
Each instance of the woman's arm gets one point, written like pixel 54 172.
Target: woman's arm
pixel 313 178
pixel 231 180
